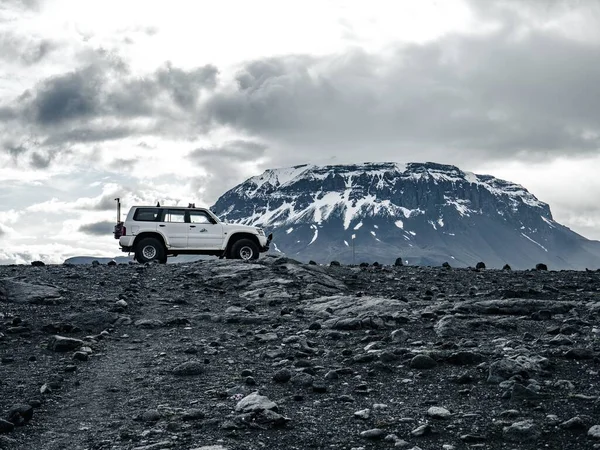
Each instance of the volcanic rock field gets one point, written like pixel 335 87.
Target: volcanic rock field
pixel 276 354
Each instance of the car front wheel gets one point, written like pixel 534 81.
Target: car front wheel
pixel 244 249
pixel 150 249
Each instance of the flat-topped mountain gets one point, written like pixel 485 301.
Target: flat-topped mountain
pixel 426 213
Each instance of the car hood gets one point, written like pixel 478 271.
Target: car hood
pixel 236 227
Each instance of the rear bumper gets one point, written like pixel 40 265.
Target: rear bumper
pixel 126 243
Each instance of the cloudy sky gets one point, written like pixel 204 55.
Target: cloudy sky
pixel 179 101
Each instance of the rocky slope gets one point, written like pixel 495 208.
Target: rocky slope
pixel 425 212
pixel 278 354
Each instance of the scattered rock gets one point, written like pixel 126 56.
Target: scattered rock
pixel 528 366
pixel 151 415
pixel 20 415
pixel 374 433
pixel 523 431
pixel 422 362
pixel 594 432
pixel 436 412
pixel 63 344
pixel 6 426
pixel 574 423
pixel 255 402
pixel 363 414
pixel 421 430
pixel 189 368
pixel 149 323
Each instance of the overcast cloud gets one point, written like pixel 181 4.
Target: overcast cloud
pixel 90 112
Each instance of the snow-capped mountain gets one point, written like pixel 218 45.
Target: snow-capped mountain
pixel 426 213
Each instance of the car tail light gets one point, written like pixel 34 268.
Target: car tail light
pixel 119 230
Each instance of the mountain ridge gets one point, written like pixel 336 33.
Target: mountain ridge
pixel 426 213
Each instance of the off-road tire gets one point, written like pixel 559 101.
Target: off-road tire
pixel 244 249
pixel 150 249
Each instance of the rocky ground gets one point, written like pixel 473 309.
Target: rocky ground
pixel 275 354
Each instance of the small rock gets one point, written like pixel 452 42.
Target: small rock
pixel 302 379
pixel 520 392
pixel 319 388
pixel 80 356
pixel 63 344
pixel 422 362
pixel 210 447
pixel 314 326
pixel 525 430
pixel 122 303
pixel 574 423
pixel 464 358
pixel 541 266
pixel 398 262
pixel 193 414
pixel 6 426
pixel 38 263
pixel 480 265
pixel 20 414
pixel 332 375
pixel 152 415
pixel 399 335
pixel 282 376
pixel 421 430
pixel 594 432
pixel 189 368
pixel 148 323
pixel 436 412
pixel 374 433
pixel 255 402
pixel 579 353
pixel 363 414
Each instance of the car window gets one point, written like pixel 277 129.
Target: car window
pixel 199 217
pixel 146 215
pixel 175 215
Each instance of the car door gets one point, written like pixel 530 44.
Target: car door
pixel 174 228
pixel 204 233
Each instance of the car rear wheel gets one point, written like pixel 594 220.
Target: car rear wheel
pixel 244 249
pixel 150 249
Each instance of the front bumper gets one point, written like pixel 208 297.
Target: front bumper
pixel 265 247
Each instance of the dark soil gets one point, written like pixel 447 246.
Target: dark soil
pixel 166 352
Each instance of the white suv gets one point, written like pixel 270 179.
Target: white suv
pixel 155 232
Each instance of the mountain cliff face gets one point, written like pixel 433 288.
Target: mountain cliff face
pixel 426 213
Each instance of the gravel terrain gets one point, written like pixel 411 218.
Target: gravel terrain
pixel 275 354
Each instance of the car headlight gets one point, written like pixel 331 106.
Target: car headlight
pixel 260 231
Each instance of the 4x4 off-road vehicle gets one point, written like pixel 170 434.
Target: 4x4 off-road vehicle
pixel 156 232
